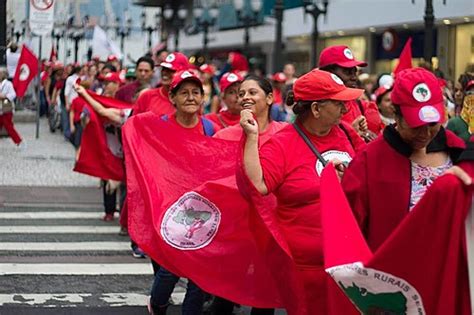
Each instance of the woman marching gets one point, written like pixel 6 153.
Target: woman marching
pixel 289 166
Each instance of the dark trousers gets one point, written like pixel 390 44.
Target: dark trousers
pixel 161 291
pixel 221 306
pixel 110 200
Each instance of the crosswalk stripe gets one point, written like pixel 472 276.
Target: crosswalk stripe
pixel 76 269
pixel 51 215
pixel 58 229
pixel 64 246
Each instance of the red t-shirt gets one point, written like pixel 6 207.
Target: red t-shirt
pixel 294 179
pixel 277 97
pixel 234 133
pixel 224 119
pixel 76 106
pixel 127 92
pixel 59 84
pixel 371 113
pixel 199 128
pixel 154 100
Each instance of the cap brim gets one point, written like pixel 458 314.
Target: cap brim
pixel 412 115
pixel 194 79
pixel 347 94
pixel 352 64
pixel 167 65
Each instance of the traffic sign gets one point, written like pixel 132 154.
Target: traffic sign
pixel 41 16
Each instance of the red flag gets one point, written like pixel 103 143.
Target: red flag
pixel 420 269
pixel 26 70
pixel 53 56
pixel 101 151
pixel 208 233
pixel 404 62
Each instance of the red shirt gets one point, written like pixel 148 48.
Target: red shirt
pixel 234 133
pixel 76 106
pixel 127 92
pixel 371 113
pixel 224 119
pixel 277 97
pixel 294 180
pixel 154 100
pixel 199 128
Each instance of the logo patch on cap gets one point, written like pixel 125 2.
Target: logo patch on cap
pixel 421 93
pixel 337 79
pixel 170 58
pixel 186 74
pixel 232 77
pixel 429 114
pixel 348 54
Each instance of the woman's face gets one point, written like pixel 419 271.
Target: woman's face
pixel 385 106
pixel 188 99
pixel 231 98
pixel 458 94
pixel 330 111
pixel 251 96
pixel 419 137
pixel 110 88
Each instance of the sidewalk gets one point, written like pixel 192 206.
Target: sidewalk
pixel 47 161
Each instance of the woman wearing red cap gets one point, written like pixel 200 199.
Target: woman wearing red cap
pixel 384 103
pixel 411 154
pixel 230 115
pixel 303 149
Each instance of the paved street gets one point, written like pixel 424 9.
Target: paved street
pixel 56 254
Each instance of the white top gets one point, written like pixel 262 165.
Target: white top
pixel 6 89
pixel 69 91
pixel 12 62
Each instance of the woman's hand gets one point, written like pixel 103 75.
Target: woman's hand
pixel 248 123
pixel 340 167
pixel 461 174
pixel 79 89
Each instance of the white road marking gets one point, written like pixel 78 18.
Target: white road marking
pixel 76 269
pixel 58 229
pixel 64 246
pixel 51 215
pixel 42 299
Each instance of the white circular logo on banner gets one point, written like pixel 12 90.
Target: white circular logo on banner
pixel 337 79
pixel 429 114
pixel 348 54
pixel 191 223
pixel 376 292
pixel 232 77
pixel 24 72
pixel 170 58
pixel 421 93
pixel 388 41
pixel 332 155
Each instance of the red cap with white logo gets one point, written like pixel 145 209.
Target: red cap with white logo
pixel 322 85
pixel 184 75
pixel 176 61
pixel 419 96
pixel 279 77
pixel 228 79
pixel 339 55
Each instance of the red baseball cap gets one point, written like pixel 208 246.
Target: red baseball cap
pixel 238 62
pixel 381 90
pixel 419 96
pixel 322 85
pixel 176 61
pixel 112 77
pixel 469 84
pixel 111 58
pixel 206 68
pixel 279 77
pixel 339 55
pixel 228 79
pixel 184 75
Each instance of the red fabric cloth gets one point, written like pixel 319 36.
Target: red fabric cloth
pixel 405 58
pixel 26 70
pixel 127 92
pixel 378 184
pixel 234 133
pixel 96 157
pixel 371 113
pixel 198 129
pixel 154 100
pixel 420 270
pixel 77 106
pixel 224 119
pixel 6 121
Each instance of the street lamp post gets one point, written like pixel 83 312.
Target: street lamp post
pixel 278 47
pixel 205 18
pixel 150 29
pixel 312 8
pixel 77 36
pixel 57 34
pixel 123 31
pixel 175 17
pixel 249 17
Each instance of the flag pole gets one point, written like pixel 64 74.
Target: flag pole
pixel 38 92
pixel 470 252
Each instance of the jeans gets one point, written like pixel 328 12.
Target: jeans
pixel 161 291
pixel 65 122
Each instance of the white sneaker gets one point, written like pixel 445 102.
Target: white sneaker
pixel 22 145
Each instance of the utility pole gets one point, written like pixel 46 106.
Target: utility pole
pixel 429 25
pixel 278 48
pixel 3 32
